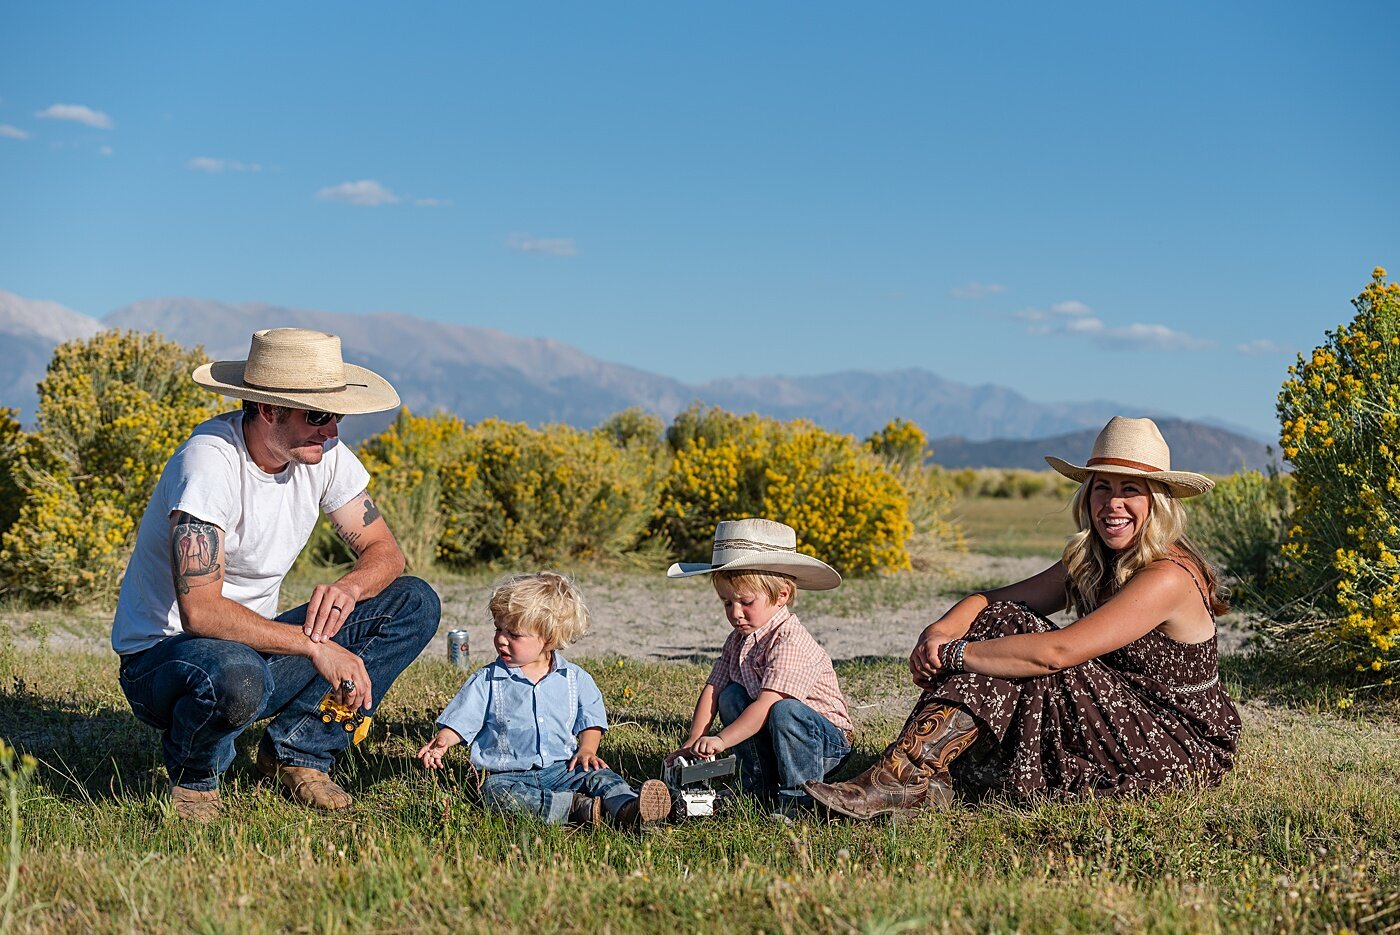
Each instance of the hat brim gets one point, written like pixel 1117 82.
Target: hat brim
pixel 810 574
pixel 364 391
pixel 1182 484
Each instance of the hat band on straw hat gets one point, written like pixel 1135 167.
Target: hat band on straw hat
pixel 1124 462
pixel 300 389
pixel 750 545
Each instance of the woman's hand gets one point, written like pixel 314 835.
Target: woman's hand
pixel 924 662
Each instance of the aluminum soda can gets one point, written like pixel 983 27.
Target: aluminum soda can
pixel 458 650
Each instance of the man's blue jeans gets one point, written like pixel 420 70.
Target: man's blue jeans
pixel 548 792
pixel 794 745
pixel 202 693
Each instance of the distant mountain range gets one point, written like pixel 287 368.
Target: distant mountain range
pixel 479 372
pixel 1195 446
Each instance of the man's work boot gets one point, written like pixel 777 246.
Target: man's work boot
pixel 586 810
pixel 650 808
pixel 912 772
pixel 309 787
pixel 195 806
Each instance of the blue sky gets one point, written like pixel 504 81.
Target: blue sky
pixel 1153 204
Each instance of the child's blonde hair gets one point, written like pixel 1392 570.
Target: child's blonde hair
pixel 769 582
pixel 544 604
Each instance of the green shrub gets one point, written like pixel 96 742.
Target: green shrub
pixel 112 409
pixel 1242 524
pixel 848 507
pixel 11 444
pixel 1340 415
pixel 521 495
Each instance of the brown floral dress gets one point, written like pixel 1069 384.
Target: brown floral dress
pixel 1150 714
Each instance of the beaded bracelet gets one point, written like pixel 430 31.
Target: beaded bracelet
pixel 950 655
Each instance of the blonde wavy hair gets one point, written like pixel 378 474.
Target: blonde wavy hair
pixel 1096 572
pixel 544 604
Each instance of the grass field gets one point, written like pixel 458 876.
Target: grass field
pixel 1014 525
pixel 1302 836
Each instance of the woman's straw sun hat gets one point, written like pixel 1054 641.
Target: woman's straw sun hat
pixel 1134 448
pixel 302 369
pixel 761 545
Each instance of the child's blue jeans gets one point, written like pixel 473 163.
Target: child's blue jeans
pixel 794 745
pixel 549 791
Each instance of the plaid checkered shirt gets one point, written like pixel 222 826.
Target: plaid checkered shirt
pixel 783 657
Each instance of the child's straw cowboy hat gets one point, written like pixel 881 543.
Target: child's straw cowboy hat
pixel 761 545
pixel 302 369
pixel 1135 448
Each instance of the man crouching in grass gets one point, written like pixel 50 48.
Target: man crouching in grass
pixel 204 652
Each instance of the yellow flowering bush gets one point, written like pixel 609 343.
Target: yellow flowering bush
pixel 406 463
pixel 1340 427
pixel 520 495
pixel 903 446
pixel 112 409
pixel 1242 525
pixel 847 505
pixel 11 441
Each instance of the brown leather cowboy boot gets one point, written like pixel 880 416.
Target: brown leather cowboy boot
pixel 912 772
pixel 195 806
pixel 309 787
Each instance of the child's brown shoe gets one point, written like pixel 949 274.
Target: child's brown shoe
pixel 586 810
pixel 650 808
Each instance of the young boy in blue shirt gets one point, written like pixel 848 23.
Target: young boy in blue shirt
pixel 534 720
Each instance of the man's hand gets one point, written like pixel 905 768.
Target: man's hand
pixel 338 665
pixel 330 606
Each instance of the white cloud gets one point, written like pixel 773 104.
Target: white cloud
pixel 366 193
pixel 105 150
pixel 213 166
pixel 12 133
pixel 977 290
pixel 558 246
pixel 78 113
pixel 1150 338
pixel 1075 319
pixel 1262 346
pixel 1071 307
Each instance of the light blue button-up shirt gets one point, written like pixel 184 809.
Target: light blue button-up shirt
pixel 513 723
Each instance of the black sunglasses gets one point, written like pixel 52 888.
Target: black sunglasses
pixel 317 418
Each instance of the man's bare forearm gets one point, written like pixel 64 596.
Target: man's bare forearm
pixel 375 569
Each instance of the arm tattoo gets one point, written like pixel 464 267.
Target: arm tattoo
pixel 371 511
pixel 194 549
pixel 352 539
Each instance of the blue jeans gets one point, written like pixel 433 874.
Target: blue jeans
pixel 201 693
pixel 794 745
pixel 548 792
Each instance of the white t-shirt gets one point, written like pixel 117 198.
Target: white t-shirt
pixel 266 520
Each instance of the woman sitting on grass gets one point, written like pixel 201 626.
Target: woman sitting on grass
pixel 1125 699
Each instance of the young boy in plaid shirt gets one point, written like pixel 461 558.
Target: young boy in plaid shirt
pixel 780 707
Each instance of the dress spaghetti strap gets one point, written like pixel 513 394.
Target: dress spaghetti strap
pixel 1199 590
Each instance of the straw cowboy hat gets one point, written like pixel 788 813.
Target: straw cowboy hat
pixel 302 369
pixel 761 545
pixel 1135 448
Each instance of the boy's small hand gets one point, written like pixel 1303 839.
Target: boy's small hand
pixel 588 761
pixel 712 745
pixel 432 752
